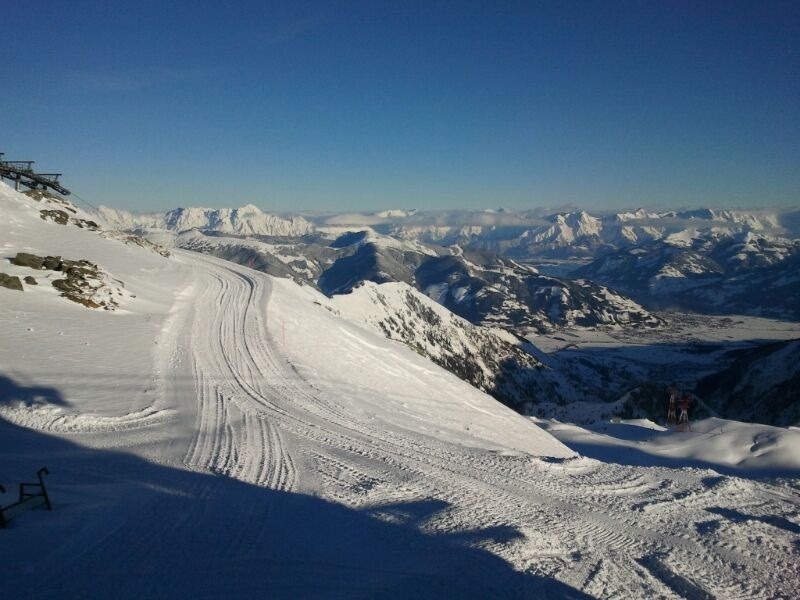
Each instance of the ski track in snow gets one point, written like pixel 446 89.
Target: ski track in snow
pixel 45 417
pixel 606 529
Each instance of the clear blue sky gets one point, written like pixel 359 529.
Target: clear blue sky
pixel 367 105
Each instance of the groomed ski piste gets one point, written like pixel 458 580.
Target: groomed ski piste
pixel 223 433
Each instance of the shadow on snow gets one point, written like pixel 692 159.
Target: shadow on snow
pixel 124 527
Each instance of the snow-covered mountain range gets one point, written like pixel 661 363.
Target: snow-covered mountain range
pixel 483 288
pixel 217 431
pixel 565 234
pixel 703 260
pixel 518 234
pixel 722 262
pixel 741 273
pixel 247 220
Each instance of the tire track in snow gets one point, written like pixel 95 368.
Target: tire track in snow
pixel 54 419
pixel 584 506
pixel 234 435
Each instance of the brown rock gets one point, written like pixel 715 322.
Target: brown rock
pixel 23 259
pixel 59 216
pixel 52 262
pixel 11 282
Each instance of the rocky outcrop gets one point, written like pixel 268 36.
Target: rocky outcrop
pixel 136 240
pixel 52 263
pixel 57 216
pixel 44 195
pixel 84 282
pixel 23 259
pixel 11 282
pixel 85 224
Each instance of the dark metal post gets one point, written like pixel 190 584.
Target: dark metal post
pixel 2 489
pixel 39 473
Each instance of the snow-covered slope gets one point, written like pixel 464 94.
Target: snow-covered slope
pixel 491 359
pixel 154 280
pixel 731 444
pixel 227 434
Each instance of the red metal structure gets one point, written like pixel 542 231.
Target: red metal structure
pixel 683 419
pixel 673 393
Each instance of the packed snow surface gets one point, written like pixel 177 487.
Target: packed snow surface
pixel 228 434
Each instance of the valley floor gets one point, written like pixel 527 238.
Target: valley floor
pixel 254 471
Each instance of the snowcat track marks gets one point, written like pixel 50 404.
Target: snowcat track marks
pixel 363 465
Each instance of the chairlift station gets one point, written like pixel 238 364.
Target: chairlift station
pixel 22 174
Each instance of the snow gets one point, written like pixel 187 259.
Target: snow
pixel 229 434
pixel 246 220
pixel 726 446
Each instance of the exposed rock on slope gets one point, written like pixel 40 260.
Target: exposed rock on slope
pixel 10 282
pixel 490 359
pixel 83 281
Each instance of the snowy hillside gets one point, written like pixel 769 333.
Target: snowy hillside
pixel 224 433
pixel 490 359
pixel 730 445
pixel 761 384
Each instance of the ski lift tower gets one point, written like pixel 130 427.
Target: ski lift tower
pixel 22 174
